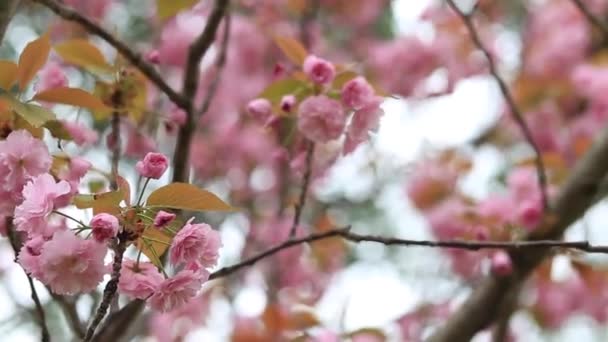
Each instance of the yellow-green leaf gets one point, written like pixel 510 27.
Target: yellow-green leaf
pixel 276 90
pixel 187 197
pixel 32 59
pixel 168 8
pixel 71 96
pixel 58 130
pixel 293 49
pixel 8 74
pixel 82 53
pixel 33 114
pixel 107 202
pixel 153 244
pixel 342 78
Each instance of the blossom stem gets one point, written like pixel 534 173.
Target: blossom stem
pixel 70 218
pixel 141 194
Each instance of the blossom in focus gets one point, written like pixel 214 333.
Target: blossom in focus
pixel 153 165
pixel 178 290
pixel 104 227
pixel 319 70
pixel 71 265
pixel 197 243
pixel 321 119
pixel 139 280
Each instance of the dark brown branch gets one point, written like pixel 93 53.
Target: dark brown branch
pixel 123 48
pixel 197 51
pixel 597 22
pixel 310 150
pixel 111 287
pixel 41 317
pixel 514 110
pixel 115 158
pixel 7 11
pixel 346 234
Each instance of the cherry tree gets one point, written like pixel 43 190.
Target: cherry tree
pixel 160 158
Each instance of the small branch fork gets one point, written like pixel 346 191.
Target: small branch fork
pixel 346 234
pixel 514 110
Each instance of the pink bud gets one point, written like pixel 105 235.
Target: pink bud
pixel 260 109
pixel 501 264
pixel 104 226
pixel 287 103
pixel 163 218
pixel 319 70
pixel 357 92
pixel 530 214
pixel 278 70
pixel 152 56
pixel 153 165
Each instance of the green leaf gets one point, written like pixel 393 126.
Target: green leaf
pixel 154 245
pixel 186 197
pixel 342 78
pixel 168 8
pixel 58 130
pixel 276 90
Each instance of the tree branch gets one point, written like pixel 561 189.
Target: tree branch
pixel 581 190
pixel 197 51
pixel 69 309
pixel 123 48
pixel 7 11
pixel 310 150
pixel 515 112
pixel 346 234
pixel 44 330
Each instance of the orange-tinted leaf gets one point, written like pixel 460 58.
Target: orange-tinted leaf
pixel 154 245
pixel 84 54
pixel 168 8
pixel 58 130
pixel 70 96
pixel 186 197
pixel 8 74
pixel 369 334
pixel 124 186
pixel 301 317
pixel 293 49
pixel 32 59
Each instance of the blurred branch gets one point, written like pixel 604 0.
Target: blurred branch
pixel 111 287
pixel 582 189
pixel 123 48
pixel 7 11
pixel 346 234
pixel 595 21
pixel 34 294
pixel 69 309
pixel 196 52
pixel 515 112
pixel 310 150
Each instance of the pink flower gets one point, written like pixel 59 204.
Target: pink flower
pixel 501 263
pixel 197 243
pixel 287 103
pixel 163 218
pixel 152 56
pixel 366 119
pixel 153 165
pixel 530 213
pixel 77 168
pixel 39 200
pixel 81 134
pixel 22 157
pixel 29 256
pixel 319 70
pixel 177 290
pixel 104 227
pixel 321 119
pixel 51 76
pixel 141 281
pixel 71 264
pixel 357 92
pixel 260 109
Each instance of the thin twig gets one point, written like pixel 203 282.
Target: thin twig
pixel 310 150
pixel 44 330
pixel 111 287
pixel 69 309
pixel 346 234
pixel 123 48
pixel 516 113
pixel 7 11
pixel 597 22
pixel 196 52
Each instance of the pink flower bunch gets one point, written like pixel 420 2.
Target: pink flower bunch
pixel 195 243
pixel 139 280
pixel 153 165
